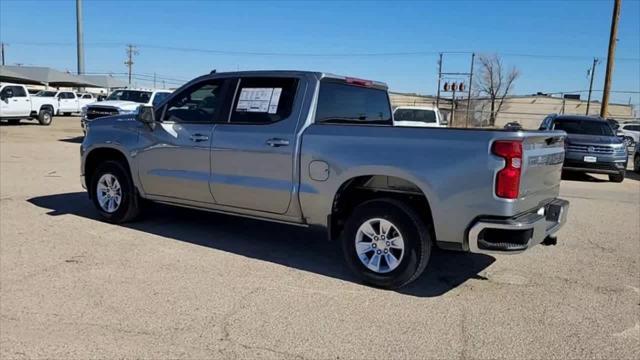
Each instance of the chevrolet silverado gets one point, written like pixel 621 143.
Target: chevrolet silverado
pixel 320 150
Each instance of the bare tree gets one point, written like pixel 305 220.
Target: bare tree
pixel 494 82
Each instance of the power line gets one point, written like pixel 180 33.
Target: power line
pixel 304 54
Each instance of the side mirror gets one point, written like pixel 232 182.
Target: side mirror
pixel 146 115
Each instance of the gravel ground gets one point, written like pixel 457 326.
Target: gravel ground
pixel 187 284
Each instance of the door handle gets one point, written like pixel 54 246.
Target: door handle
pixel 275 142
pixel 198 137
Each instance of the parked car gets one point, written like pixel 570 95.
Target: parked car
pixel 636 158
pixel 630 132
pixel 17 104
pixel 591 145
pixel 121 102
pixel 68 101
pixel 320 151
pixel 420 116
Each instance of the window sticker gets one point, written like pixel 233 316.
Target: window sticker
pixel 261 100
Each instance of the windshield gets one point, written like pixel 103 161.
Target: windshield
pixel 584 127
pixel 425 116
pixel 46 93
pixel 131 95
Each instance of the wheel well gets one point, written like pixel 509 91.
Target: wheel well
pixel 46 107
pixel 98 156
pixel 363 188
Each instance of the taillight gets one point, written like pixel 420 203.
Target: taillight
pixel 508 179
pixel 359 82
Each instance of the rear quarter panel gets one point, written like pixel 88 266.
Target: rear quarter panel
pixel 452 167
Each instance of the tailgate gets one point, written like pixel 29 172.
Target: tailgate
pixel 543 155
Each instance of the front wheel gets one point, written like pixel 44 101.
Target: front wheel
pixel 386 244
pixel 113 193
pixel 45 117
pixel 618 178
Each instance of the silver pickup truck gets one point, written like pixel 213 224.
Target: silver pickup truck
pixel 320 150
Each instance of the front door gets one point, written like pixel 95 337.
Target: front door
pixel 174 161
pixel 67 102
pixel 17 105
pixel 252 156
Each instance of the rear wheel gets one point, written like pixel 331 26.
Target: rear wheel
pixel 617 177
pixel 636 163
pixel 386 244
pixel 113 193
pixel 45 117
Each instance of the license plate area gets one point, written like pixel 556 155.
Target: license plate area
pixel 590 159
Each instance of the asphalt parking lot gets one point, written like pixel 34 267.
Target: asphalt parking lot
pixel 189 284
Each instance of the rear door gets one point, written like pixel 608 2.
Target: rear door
pixel 175 159
pixel 252 156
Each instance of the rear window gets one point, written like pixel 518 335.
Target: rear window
pixel 339 103
pixel 584 127
pixel 425 116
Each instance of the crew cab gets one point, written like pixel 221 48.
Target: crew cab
pixel 124 101
pixel 591 145
pixel 320 151
pixel 16 103
pixel 418 116
pixel 68 101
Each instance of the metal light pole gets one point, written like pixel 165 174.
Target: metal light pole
pixel 439 78
pixel 79 37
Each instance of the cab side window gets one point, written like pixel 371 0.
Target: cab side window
pixel 198 104
pixel 18 91
pixel 263 100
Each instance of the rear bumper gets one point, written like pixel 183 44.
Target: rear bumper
pixel 517 234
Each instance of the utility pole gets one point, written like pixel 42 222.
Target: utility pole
pixel 154 81
pixel 2 52
pixel 439 78
pixel 79 37
pixel 610 57
pixel 131 51
pixel 453 105
pixel 593 70
pixel 473 58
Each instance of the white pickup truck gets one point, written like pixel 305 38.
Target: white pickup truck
pixel 418 116
pixel 125 101
pixel 17 104
pixel 68 101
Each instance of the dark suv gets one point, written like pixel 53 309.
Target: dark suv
pixel 591 145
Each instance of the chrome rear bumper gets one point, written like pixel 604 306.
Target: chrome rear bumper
pixel 517 234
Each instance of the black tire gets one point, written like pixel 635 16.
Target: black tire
pixel 45 117
pixel 129 207
pixel 415 233
pixel 14 121
pixel 66 114
pixel 636 163
pixel 618 178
